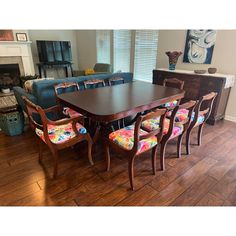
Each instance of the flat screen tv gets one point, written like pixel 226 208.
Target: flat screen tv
pixel 54 51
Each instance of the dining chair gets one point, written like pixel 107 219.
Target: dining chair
pixel 116 80
pixel 173 83
pixel 58 134
pixel 94 82
pixel 131 141
pixel 201 114
pixel 66 88
pixel 172 128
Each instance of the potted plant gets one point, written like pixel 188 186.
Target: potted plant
pixel 5 89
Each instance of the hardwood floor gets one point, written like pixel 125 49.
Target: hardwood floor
pixel 207 177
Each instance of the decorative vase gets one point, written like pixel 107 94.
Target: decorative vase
pixel 173 58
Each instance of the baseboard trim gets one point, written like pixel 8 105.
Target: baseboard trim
pixel 230 118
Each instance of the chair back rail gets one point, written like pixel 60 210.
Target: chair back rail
pixel 173 83
pixel 93 82
pixel 204 107
pixel 157 132
pixel 115 79
pixel 188 105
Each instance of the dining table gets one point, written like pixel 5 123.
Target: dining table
pixel 107 104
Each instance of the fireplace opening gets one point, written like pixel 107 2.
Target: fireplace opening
pixel 9 75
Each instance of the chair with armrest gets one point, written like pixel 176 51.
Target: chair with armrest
pixel 65 88
pixel 173 128
pixel 173 83
pixel 201 114
pixel 132 141
pixel 57 134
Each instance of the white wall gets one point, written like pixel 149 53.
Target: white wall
pixel 63 35
pixel 223 57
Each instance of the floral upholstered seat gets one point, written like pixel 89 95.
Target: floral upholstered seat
pixel 125 138
pixel 171 104
pixel 60 133
pixel 153 124
pixel 71 113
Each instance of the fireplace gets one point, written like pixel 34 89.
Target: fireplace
pixel 9 75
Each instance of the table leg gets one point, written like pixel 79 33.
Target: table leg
pixel 66 71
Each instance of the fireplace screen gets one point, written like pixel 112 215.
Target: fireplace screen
pixel 9 75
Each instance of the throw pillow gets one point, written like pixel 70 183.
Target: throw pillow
pixel 89 71
pixel 29 83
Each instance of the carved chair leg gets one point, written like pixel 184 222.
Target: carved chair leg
pixel 154 154
pixel 199 137
pixel 162 154
pixel 107 155
pixel 131 171
pixel 90 144
pixel 180 138
pixel 55 166
pixel 188 135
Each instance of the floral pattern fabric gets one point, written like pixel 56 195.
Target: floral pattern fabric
pixel 171 104
pixel 125 138
pixel 182 114
pixel 61 133
pixel 70 112
pixel 153 124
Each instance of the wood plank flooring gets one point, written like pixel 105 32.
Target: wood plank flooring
pixel 207 177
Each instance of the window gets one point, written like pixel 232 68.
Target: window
pixel 121 50
pixel 145 54
pixel 103 46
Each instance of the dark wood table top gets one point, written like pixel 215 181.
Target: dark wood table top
pixel 116 102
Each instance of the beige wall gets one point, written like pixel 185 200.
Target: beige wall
pixel 62 35
pixel 86 45
pixel 223 57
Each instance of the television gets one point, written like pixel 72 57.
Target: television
pixel 54 51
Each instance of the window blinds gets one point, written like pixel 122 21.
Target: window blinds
pixel 103 46
pixel 121 50
pixel 145 54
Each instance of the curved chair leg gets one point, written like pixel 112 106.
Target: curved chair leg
pixel 90 144
pixel 199 137
pixel 180 138
pixel 188 134
pixel 55 167
pixel 154 153
pixel 162 154
pixel 107 154
pixel 131 172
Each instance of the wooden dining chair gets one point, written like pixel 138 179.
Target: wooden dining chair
pixel 94 83
pixel 66 88
pixel 173 83
pixel 172 128
pixel 57 134
pixel 201 114
pixel 116 80
pixel 132 141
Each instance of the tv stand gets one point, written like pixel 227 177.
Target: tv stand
pixel 43 66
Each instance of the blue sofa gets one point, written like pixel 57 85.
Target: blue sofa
pixel 43 91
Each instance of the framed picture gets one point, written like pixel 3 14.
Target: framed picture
pixel 21 36
pixel 199 46
pixel 6 35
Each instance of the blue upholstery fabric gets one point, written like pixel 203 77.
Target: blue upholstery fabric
pixel 43 91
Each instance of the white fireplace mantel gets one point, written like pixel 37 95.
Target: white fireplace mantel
pixel 19 49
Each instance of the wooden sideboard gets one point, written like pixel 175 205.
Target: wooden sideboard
pixel 197 85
